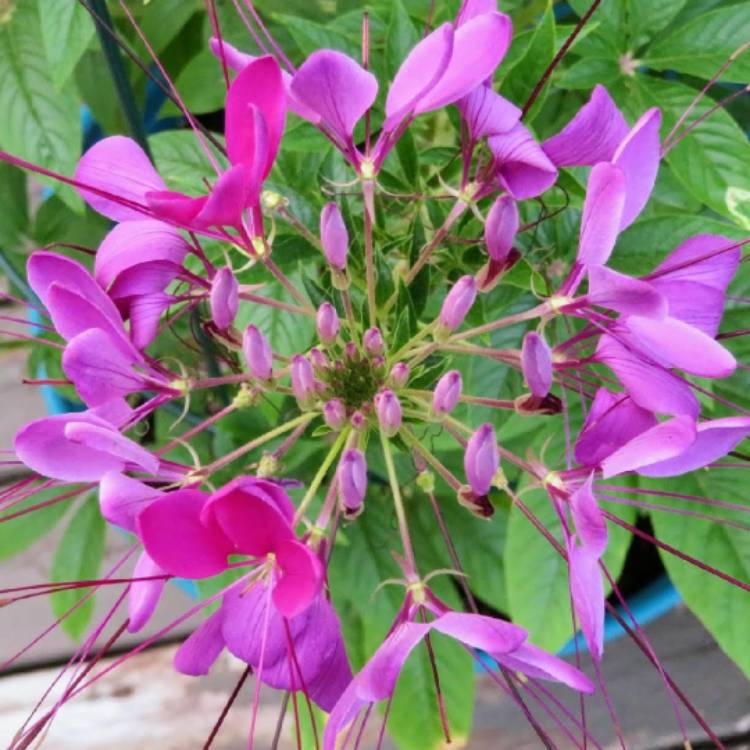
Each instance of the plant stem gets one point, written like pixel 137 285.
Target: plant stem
pixel 369 259
pixel 398 504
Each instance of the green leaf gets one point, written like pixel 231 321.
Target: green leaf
pixel 310 36
pixel 647 17
pixel 39 122
pixel 14 218
pixel 402 36
pixel 21 532
pixel 181 161
pixel 78 557
pixel 587 72
pixel 723 608
pixel 201 85
pixel 703 45
pixel 714 158
pixel 67 29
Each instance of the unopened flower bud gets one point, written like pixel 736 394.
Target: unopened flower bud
pixel 350 351
pixel 303 380
pixel 358 420
pixel 536 364
pixel 378 362
pixel 373 341
pixel 224 298
pixel 258 354
pixel 334 413
pixel 388 408
pixel 333 236
pixel 479 505
pixel 458 302
pixel 447 392
pixel 318 359
pixel 481 459
pixel 501 227
pixel 352 477
pixel 327 321
pixel 399 374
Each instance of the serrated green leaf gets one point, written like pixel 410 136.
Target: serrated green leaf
pixel 39 122
pixel 78 557
pixel 67 30
pixel 704 44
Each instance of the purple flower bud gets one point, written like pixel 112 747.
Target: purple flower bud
pixel 536 364
pixel 352 476
pixel 388 408
pixel 334 413
pixel 351 351
pixel 258 354
pixel 481 459
pixel 447 392
pixel 358 420
pixel 333 236
pixel 303 380
pixel 318 359
pixel 328 324
pixel 373 341
pixel 501 227
pixel 458 302
pixel 399 374
pixel 378 362
pixel 224 298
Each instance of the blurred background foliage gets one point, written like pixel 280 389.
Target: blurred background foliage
pixel 56 95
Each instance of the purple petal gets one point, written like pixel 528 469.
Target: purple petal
pixel 591 136
pixel 230 194
pixel 651 387
pixel 224 298
pixel 143 279
pixel 473 8
pixel 660 443
pixel 419 72
pixel 118 166
pixel 301 580
pixel 523 168
pixel 177 208
pixel 588 518
pixel 122 498
pixel 478 47
pixel 616 291
pixel 713 440
pixel 197 654
pixel 611 422
pixel 501 227
pixel 480 631
pixel 173 535
pixel 682 346
pixel 709 259
pixel 133 243
pixel 602 212
pixel 698 305
pixel 337 88
pixel 481 459
pixel 587 593
pixel 536 364
pixel 145 313
pixel 487 113
pixel 143 596
pixel 538 664
pixel 638 157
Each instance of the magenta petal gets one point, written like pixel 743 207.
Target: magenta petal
pixel 136 242
pixel 107 440
pixel 99 368
pixel 258 85
pixel 144 278
pixel 478 47
pixel 611 422
pixel 473 8
pixel 227 199
pixel 638 157
pixel 143 596
pixel 713 440
pixel 118 166
pixel 710 259
pixel 698 305
pixel 487 113
pixel 591 136
pixel 301 579
pixel 480 631
pixel 173 535
pixel 682 346
pixel 664 441
pixel 224 298
pixel 197 654
pixel 249 516
pixel 602 212
pixel 418 73
pixel 587 593
pixel 122 498
pixel 42 445
pixel 536 364
pixel 651 386
pixel 337 88
pixel 522 166
pixel 175 207
pixel 501 227
pixel 145 313
pixel 538 664
pixel 617 291
pixel 588 518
